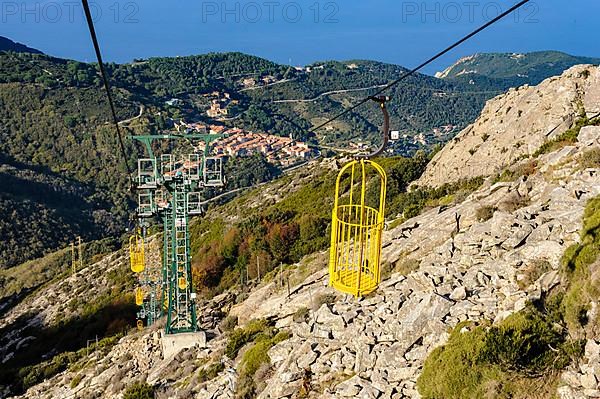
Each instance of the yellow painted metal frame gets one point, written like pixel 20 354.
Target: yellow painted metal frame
pixel 182 283
pixel 136 253
pixel 139 296
pixel 356 232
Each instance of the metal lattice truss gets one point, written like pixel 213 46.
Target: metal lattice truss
pixel 171 187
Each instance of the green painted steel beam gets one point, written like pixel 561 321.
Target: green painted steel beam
pixel 177 301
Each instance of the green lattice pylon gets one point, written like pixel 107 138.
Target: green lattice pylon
pixel 176 181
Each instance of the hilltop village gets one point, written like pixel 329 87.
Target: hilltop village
pixel 279 150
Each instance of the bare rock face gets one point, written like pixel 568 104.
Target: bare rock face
pixel 589 135
pixel 516 124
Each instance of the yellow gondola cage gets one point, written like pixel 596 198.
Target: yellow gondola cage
pixel 139 296
pixel 357 224
pixel 182 283
pixel 136 253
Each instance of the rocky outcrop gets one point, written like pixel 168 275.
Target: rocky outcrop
pixel 516 124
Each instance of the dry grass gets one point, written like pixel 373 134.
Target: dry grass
pixel 407 266
pixel 485 213
pixel 533 272
pixel 590 159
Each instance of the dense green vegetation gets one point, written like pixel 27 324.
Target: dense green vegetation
pixel 260 336
pixel 416 105
pixel 164 77
pixel 139 390
pixel 249 171
pixel 40 211
pixel 525 352
pixel 520 355
pixel 58 171
pixel 243 335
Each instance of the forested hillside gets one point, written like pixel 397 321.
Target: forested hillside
pixel 418 104
pixel 505 70
pixel 59 174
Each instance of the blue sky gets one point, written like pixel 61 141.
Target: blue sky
pixel 303 31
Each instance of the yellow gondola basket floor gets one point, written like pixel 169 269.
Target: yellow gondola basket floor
pixel 347 281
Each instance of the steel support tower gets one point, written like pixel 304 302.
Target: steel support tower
pixel 170 187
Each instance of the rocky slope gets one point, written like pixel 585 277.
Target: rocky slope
pixel 516 124
pixel 468 270
pixel 469 261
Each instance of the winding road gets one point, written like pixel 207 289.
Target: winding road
pixel 125 121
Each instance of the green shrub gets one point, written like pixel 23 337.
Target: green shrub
pixel 412 210
pixel 75 381
pixel 412 203
pixel 591 221
pixel 508 360
pixel 210 372
pixel 566 138
pixel 511 174
pixel 452 370
pixel 229 323
pixel 255 358
pixel 241 336
pixel 485 213
pixel 443 201
pixel 301 315
pixel 139 390
pixel 523 343
pixel 34 374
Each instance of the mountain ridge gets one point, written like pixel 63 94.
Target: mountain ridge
pixel 8 45
pixel 515 69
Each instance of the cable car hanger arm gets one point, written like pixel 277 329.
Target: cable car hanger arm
pixel 385 131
